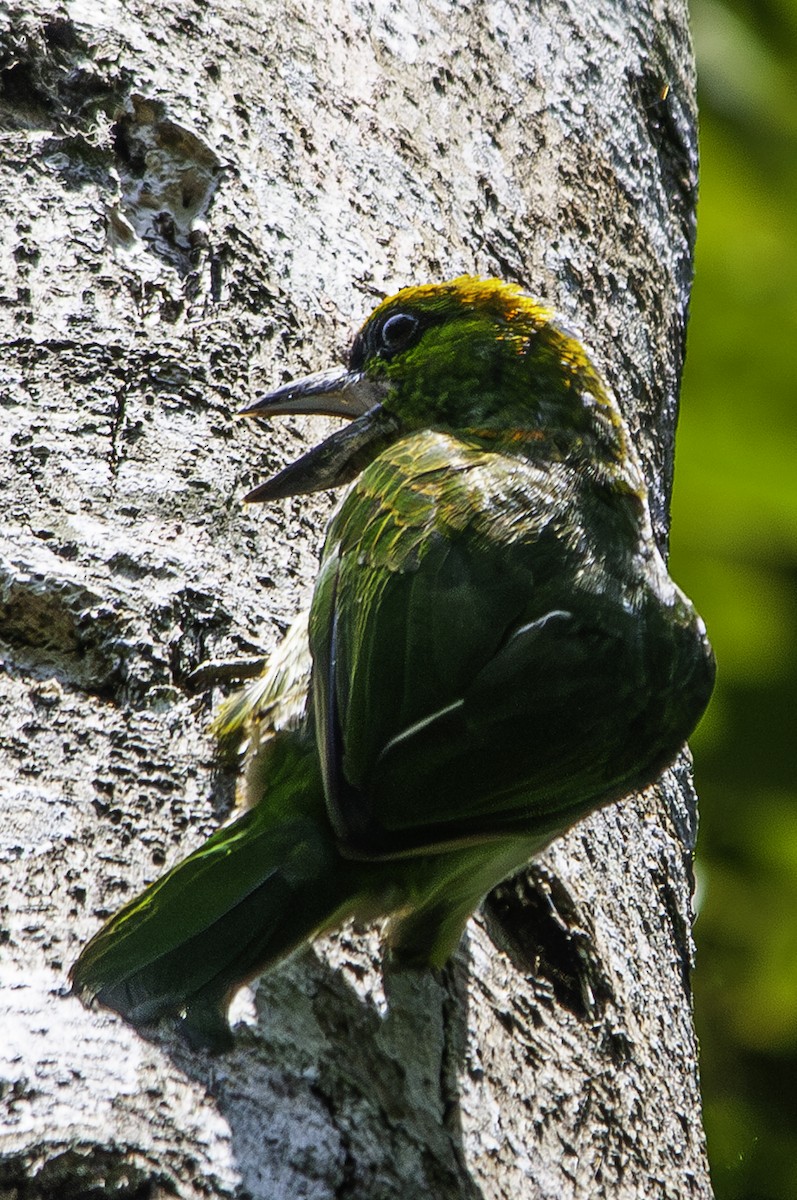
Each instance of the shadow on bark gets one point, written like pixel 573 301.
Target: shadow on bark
pixel 365 1083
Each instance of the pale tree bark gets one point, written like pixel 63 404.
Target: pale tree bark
pixel 200 200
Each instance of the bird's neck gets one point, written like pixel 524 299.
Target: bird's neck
pixel 603 454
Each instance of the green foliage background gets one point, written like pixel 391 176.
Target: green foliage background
pixel 734 550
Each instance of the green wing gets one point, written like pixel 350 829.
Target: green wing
pixel 466 685
pixel 425 578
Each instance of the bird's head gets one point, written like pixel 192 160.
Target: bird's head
pixel 474 357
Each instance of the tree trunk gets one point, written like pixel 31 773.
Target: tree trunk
pixel 199 202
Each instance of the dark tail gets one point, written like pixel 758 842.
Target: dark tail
pixel 254 891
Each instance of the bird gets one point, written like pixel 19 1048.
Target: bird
pixel 494 649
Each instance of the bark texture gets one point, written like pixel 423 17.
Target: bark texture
pixel 201 200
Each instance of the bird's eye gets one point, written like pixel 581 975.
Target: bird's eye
pixel 398 331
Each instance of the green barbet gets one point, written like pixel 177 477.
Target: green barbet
pixel 495 650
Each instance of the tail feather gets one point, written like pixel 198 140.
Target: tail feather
pixel 253 892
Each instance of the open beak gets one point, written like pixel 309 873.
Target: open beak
pixel 343 455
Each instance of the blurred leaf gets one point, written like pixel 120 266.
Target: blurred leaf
pixel 739 75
